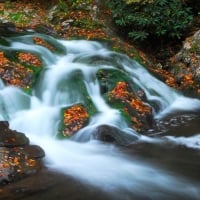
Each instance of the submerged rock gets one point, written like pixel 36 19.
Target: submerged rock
pixel 17 157
pixel 111 134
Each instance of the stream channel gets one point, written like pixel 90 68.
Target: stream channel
pixel 162 164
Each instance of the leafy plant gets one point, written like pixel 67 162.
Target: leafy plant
pixel 157 18
pixel 80 4
pixel 18 17
pixel 62 6
pixel 85 23
pixel 8 4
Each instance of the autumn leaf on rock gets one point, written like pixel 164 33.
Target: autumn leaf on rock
pixel 74 119
pixel 41 42
pixel 29 58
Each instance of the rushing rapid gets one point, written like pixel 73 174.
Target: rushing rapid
pixel 93 162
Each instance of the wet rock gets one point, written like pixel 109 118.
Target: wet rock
pixel 41 28
pixel 66 24
pixel 74 118
pixel 57 14
pixel 185 64
pixel 114 135
pixel 33 151
pixel 4 125
pixel 7 29
pixel 11 138
pixel 17 157
pixel 121 94
pixel 14 73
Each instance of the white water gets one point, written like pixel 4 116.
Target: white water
pixel 191 142
pixel 102 165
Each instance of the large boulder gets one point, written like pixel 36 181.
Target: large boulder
pixel 111 134
pixel 185 65
pixel 17 157
pixel 121 94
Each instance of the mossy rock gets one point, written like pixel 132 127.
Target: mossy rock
pixel 108 78
pixel 73 119
pixel 122 94
pixel 4 42
pixel 50 43
pixel 15 72
pixel 75 87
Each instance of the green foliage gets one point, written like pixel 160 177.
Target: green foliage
pixel 80 4
pixel 19 17
pixel 8 4
pixel 62 6
pixel 138 1
pixel 86 23
pixel 4 42
pixel 194 4
pixel 144 19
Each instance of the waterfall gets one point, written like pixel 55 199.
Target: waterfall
pixel 103 165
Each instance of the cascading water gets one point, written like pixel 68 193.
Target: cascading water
pixel 95 163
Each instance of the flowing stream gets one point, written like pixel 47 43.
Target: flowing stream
pixel 142 171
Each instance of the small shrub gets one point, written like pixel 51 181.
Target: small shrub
pixel 80 4
pixel 62 6
pixel 157 18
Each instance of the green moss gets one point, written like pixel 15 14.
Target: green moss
pixel 8 4
pixel 195 48
pixel 86 23
pixel 108 79
pixel 19 17
pixel 80 4
pixel 27 90
pixel 57 47
pixel 4 42
pixel 119 105
pixel 12 55
pixel 75 87
pixel 62 126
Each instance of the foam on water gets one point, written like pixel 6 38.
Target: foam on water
pixel 191 142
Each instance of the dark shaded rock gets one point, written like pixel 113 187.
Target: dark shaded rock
pixel 18 159
pixel 51 185
pixel 41 28
pixel 16 164
pixel 4 125
pixel 114 135
pixel 11 138
pixel 7 29
pixel 33 151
